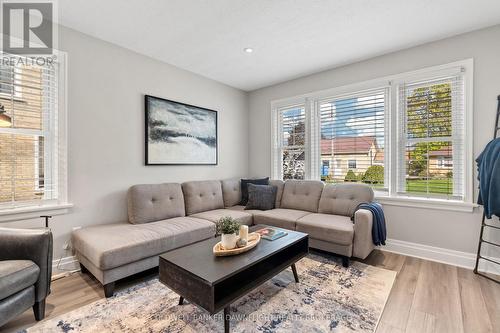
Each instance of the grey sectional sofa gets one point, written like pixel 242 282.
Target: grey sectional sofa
pixel 167 216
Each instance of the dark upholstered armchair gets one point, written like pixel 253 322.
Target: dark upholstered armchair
pixel 25 271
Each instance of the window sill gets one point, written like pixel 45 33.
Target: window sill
pixel 30 212
pixel 438 204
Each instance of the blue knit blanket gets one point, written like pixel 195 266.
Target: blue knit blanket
pixel 379 231
pixel 488 167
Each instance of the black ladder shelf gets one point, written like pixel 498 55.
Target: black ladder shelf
pixel 488 225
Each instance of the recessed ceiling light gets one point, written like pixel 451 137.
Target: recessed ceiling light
pixel 248 49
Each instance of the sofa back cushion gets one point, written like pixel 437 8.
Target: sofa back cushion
pixel 231 192
pixel 154 202
pixel 201 196
pixel 302 195
pixel 342 199
pixel 279 193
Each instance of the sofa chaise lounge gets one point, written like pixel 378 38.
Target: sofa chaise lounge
pixel 163 217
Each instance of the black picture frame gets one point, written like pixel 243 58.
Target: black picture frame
pixel 147 112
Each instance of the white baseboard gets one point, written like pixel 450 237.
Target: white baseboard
pixel 64 266
pixel 438 254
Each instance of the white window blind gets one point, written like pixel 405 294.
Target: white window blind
pixel 432 141
pixel 408 136
pixel 29 140
pixel 352 138
pixel 291 142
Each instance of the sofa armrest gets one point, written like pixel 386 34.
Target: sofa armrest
pixel 30 244
pixel 363 243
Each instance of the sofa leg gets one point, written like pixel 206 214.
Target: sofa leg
pixel 83 269
pixel 39 310
pixel 109 288
pixel 345 261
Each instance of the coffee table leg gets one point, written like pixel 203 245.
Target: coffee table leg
pixel 295 275
pixel 181 300
pixel 226 318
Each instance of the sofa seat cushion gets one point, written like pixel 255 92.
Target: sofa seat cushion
pixel 113 245
pixel 330 228
pixel 214 215
pixel 16 275
pixel 280 217
pixel 241 208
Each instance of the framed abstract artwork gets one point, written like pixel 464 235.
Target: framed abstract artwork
pixel 179 133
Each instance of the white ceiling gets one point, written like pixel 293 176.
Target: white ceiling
pixel 290 38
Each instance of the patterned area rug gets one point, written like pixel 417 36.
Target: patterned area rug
pixel 329 298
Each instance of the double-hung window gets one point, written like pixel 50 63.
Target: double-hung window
pixel 431 159
pixel 32 135
pixel 290 142
pixel 352 139
pixel 408 136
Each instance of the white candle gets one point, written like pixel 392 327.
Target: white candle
pixel 244 232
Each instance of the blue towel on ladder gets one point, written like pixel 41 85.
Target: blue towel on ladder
pixel 379 231
pixel 488 167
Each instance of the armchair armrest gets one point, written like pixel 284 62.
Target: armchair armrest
pixel 30 244
pixel 363 242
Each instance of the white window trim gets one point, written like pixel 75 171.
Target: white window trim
pixel 28 210
pixel 391 134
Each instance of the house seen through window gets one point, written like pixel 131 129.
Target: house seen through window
pixel 352 138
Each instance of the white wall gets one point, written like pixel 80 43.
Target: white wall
pixel 444 229
pixel 106 87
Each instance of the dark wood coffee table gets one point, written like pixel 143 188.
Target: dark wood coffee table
pixel 213 283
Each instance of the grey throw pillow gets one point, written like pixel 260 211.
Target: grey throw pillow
pixel 261 197
pixel 244 187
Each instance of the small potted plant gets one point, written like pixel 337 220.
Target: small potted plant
pixel 228 228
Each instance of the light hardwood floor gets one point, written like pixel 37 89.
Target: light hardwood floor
pixel 426 297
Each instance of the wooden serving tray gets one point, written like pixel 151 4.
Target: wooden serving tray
pixel 253 240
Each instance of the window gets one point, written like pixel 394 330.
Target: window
pixel 32 169
pixel 10 84
pixel 291 142
pixel 408 136
pixel 352 135
pixel 6 79
pixel 431 144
